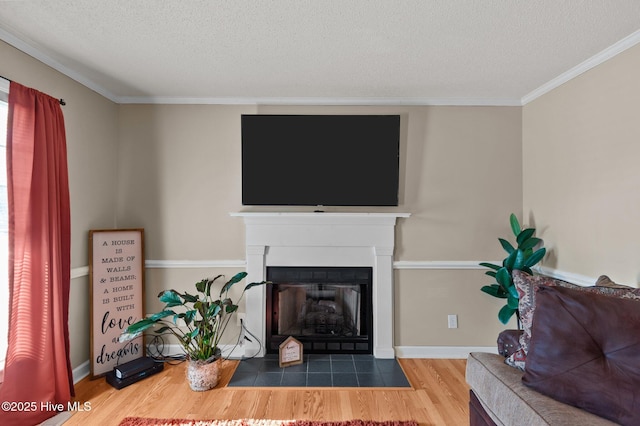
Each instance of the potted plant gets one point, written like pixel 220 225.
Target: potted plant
pixel 523 258
pixel 204 321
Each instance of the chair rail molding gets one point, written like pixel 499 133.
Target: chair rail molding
pixel 441 264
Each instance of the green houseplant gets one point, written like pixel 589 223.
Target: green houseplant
pixel 204 319
pixel 521 257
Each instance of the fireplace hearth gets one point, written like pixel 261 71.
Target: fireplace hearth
pixel 328 309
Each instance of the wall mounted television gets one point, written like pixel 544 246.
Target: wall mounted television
pixel 320 160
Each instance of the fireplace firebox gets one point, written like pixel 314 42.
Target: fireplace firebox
pixel 328 309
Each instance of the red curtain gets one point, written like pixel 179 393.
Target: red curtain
pixel 37 375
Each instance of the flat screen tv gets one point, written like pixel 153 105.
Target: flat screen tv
pixel 320 160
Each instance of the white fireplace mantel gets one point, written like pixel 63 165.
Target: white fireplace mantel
pixel 322 239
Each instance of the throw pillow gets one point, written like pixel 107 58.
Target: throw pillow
pixel 605 281
pixel 527 284
pixel 584 352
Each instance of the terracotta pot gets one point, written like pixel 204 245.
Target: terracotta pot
pixel 203 375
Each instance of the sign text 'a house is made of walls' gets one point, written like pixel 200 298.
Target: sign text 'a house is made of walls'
pixel 117 296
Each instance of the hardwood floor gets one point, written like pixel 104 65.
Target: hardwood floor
pixel 439 396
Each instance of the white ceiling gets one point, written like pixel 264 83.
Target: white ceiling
pixel 480 52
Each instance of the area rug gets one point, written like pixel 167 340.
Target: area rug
pixel 140 421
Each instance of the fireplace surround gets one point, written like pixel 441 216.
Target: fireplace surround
pixel 321 240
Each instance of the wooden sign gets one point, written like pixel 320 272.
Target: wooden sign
pixel 290 352
pixel 116 270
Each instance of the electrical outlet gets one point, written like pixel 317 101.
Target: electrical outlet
pixel 240 318
pixel 453 321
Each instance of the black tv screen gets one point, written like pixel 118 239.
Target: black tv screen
pixel 320 160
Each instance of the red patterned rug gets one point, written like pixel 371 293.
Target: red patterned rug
pixel 140 421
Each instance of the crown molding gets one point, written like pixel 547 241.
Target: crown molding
pixel 319 101
pixel 48 60
pixel 590 63
pixel 585 66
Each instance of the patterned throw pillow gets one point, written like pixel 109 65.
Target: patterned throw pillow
pixel 526 285
pixel 605 281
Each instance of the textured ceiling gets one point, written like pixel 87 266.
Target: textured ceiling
pixel 310 51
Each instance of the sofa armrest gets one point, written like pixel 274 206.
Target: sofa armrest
pixel 508 342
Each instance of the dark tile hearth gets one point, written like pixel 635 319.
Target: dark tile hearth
pixel 321 371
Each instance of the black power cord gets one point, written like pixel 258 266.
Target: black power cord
pixel 156 348
pixel 242 336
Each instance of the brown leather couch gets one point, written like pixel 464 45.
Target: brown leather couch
pixel 576 362
pixel 498 396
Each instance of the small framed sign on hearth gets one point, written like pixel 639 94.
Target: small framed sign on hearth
pixel 290 352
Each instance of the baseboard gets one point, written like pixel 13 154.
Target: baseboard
pixel 441 352
pixel 384 353
pixel 81 371
pixel 228 351
pixel 446 352
pixel 58 420
pixel 238 352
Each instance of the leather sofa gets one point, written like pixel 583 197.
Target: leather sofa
pixel 580 366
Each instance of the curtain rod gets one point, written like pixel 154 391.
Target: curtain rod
pixel 62 102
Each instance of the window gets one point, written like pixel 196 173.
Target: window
pixel 4 230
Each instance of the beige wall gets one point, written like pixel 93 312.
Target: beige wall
pixel 568 158
pixel 581 176
pixel 91 123
pixel 174 170
pixel 180 177
pixel 423 299
pixel 179 171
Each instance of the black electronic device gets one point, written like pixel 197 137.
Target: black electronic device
pixel 320 160
pixel 133 367
pixel 136 377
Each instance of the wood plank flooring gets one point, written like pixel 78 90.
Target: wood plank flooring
pixel 439 396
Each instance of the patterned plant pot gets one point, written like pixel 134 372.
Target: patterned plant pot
pixel 203 375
